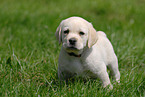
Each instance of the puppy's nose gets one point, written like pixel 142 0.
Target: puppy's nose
pixel 72 41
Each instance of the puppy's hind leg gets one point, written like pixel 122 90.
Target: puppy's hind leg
pixel 113 66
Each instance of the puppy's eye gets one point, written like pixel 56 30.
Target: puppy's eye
pixel 81 33
pixel 66 31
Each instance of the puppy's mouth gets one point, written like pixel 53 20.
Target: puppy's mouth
pixel 73 51
pixel 72 48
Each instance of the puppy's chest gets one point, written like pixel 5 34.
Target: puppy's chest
pixel 78 67
pixel 75 66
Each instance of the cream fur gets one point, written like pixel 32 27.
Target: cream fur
pixel 96 52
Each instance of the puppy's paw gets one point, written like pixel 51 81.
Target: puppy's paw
pixel 117 80
pixel 109 86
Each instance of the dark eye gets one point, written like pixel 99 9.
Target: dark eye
pixel 66 31
pixel 81 33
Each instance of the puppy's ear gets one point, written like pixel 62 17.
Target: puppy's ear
pixel 92 36
pixel 58 34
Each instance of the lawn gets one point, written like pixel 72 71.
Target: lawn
pixel 29 50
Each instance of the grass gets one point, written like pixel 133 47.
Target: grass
pixel 29 50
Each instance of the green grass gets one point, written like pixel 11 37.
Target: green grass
pixel 29 50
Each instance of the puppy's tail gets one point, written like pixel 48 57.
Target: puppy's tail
pixel 101 33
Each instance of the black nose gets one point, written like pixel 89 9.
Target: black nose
pixel 72 41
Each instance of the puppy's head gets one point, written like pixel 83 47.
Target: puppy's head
pixel 75 33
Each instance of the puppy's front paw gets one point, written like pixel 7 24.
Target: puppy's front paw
pixel 108 86
pixel 118 81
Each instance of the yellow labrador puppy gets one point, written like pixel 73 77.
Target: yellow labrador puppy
pixel 85 52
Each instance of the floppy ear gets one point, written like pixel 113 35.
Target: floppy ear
pixel 58 34
pixel 92 36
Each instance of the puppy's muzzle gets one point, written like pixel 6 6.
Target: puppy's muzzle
pixel 72 41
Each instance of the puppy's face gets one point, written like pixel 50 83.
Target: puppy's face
pixel 74 34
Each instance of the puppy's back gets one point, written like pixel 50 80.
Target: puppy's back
pixel 101 33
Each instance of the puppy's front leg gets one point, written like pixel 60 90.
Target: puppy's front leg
pixel 113 66
pixel 60 75
pixel 64 75
pixel 104 77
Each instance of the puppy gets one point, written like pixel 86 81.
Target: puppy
pixel 85 52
